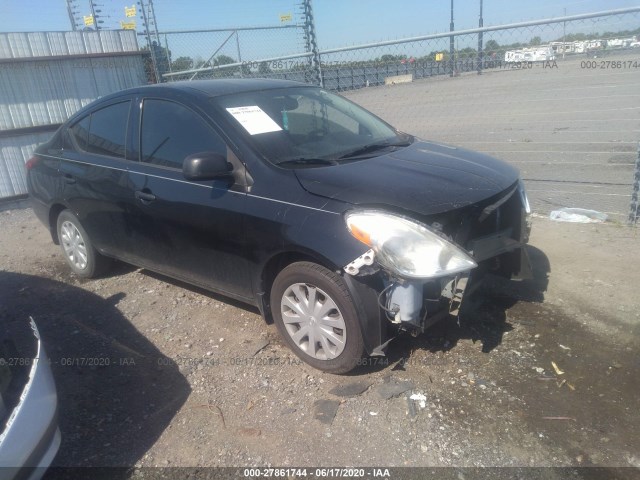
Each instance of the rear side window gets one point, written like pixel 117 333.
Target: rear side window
pixel 108 129
pixel 80 132
pixel 171 132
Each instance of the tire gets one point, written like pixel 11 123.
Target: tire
pixel 77 248
pixel 327 336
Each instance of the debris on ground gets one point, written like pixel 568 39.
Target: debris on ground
pixel 578 215
pixel 393 388
pixel 260 346
pixel 420 398
pixel 325 410
pixel 411 406
pixel 555 367
pixel 350 389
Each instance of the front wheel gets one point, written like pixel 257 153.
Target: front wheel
pixel 316 316
pixel 78 249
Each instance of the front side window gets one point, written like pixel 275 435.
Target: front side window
pixel 306 125
pixel 171 132
pixel 108 130
pixel 80 132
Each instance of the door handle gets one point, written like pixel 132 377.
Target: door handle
pixel 69 179
pixel 145 197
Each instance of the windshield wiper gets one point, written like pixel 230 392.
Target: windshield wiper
pixel 372 147
pixel 308 161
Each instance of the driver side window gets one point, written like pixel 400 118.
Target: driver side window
pixel 170 132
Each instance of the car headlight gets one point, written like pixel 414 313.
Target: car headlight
pixel 406 247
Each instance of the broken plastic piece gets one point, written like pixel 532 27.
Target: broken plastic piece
pixel 555 367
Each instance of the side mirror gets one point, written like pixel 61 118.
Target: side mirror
pixel 206 166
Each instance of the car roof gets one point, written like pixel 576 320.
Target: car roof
pixel 213 88
pixel 196 88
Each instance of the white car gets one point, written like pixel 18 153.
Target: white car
pixel 30 437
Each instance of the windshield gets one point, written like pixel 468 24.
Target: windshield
pixel 308 126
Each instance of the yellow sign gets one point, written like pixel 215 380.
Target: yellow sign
pixel 439 57
pixel 88 20
pixel 130 11
pixel 127 25
pixel 285 17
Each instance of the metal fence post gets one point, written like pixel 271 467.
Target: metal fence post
pixel 633 206
pixel 451 41
pixel 480 43
pixel 239 54
pixel 152 50
pixel 312 42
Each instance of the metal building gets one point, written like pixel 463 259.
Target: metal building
pixel 47 76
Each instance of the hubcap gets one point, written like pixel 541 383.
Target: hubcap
pixel 313 321
pixel 73 244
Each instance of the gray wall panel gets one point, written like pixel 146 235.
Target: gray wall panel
pixel 47 90
pixel 43 44
pixel 14 152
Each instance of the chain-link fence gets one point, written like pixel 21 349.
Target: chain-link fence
pixel 188 55
pixel 557 98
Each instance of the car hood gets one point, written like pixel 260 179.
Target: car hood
pixel 425 177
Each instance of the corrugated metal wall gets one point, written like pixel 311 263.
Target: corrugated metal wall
pixel 47 76
pixel 14 151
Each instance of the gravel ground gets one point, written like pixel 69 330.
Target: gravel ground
pixel 188 378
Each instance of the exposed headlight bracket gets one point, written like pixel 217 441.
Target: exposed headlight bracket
pixel 458 292
pixel 366 258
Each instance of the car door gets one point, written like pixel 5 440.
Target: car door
pixel 192 230
pixel 93 168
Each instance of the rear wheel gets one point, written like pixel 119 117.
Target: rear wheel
pixel 78 249
pixel 315 315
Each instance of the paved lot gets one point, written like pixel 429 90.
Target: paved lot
pixel 573 132
pixel 196 380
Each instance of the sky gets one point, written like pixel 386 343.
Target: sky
pixel 338 22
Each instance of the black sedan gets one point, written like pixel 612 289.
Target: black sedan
pixel 338 227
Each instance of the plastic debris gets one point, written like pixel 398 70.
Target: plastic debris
pixel 563 347
pixel 578 215
pixel 559 418
pixel 420 398
pixel 411 406
pixel 555 367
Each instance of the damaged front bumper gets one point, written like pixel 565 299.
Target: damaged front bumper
pixel 493 235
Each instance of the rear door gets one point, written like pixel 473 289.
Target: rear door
pixel 94 170
pixel 186 229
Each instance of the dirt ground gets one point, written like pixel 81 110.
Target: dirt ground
pixel 188 378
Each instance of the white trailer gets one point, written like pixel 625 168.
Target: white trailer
pixel 543 53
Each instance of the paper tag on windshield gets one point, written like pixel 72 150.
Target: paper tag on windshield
pixel 254 120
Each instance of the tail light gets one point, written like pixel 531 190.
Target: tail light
pixel 32 162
